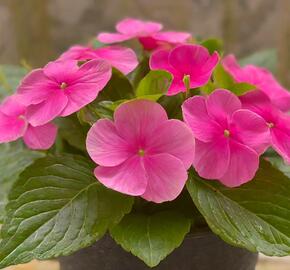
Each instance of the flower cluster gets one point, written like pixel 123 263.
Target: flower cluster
pixel 140 151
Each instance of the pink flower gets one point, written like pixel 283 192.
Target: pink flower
pixel 262 79
pixel 123 59
pixel 278 122
pixel 142 153
pixel 193 61
pixel 148 33
pixel 229 139
pixel 61 88
pixel 13 125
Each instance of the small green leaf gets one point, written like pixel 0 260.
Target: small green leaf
pixel 213 44
pixel 141 71
pixel 222 79
pixel 172 105
pixel 72 131
pixel 265 58
pixel 119 87
pixel 255 216
pixel 154 84
pixel 10 76
pixel 151 237
pixel 56 208
pixel 14 158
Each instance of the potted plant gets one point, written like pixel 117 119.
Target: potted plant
pixel 178 152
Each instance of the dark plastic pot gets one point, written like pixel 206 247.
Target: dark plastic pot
pixel 203 251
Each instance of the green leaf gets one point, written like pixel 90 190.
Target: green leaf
pixel 255 216
pixel 56 208
pixel 119 87
pixel 10 76
pixel 222 79
pixel 95 111
pixel 151 237
pixel 154 84
pixel 265 58
pixel 213 44
pixel 72 131
pixel 172 105
pixel 141 71
pixel 280 164
pixel 14 158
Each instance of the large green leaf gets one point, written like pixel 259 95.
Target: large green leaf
pixel 14 158
pixel 264 58
pixel 72 131
pixel 154 85
pixel 222 79
pixel 10 77
pixel 57 207
pixel 119 87
pixel 151 237
pixel 255 216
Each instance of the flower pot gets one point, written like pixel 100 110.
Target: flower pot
pixel 203 251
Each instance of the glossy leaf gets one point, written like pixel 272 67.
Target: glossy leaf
pixel 254 216
pixel 56 208
pixel 154 85
pixel 213 44
pixel 151 237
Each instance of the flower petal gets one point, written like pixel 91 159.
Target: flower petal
pixel 123 59
pixel 11 107
pixel 244 162
pixel 129 177
pixel 166 178
pixel 196 116
pixel 92 78
pixel 41 137
pixel 175 138
pixel 281 137
pixel 42 113
pixel 35 88
pixel 105 146
pixel 130 26
pixel 172 37
pixel 11 128
pixel 78 52
pixel 136 120
pixel 251 129
pixel 221 104
pixel 212 158
pixel 112 37
pixel 159 60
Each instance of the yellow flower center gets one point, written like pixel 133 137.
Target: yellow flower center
pixel 227 133
pixel 141 152
pixel 270 125
pixel 63 85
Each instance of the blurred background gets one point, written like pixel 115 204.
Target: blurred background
pixel 36 31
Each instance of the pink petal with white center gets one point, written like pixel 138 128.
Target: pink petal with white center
pixel 166 178
pixel 41 137
pixel 108 38
pixel 129 177
pixel 172 37
pixel 137 120
pixel 175 138
pixel 243 165
pixel 130 26
pixel 212 158
pixel 11 107
pixel 251 129
pixel 92 78
pixel 196 117
pixel 221 104
pixel 42 113
pixel 35 88
pixel 11 128
pixel 281 137
pixel 105 146
pixel 123 59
